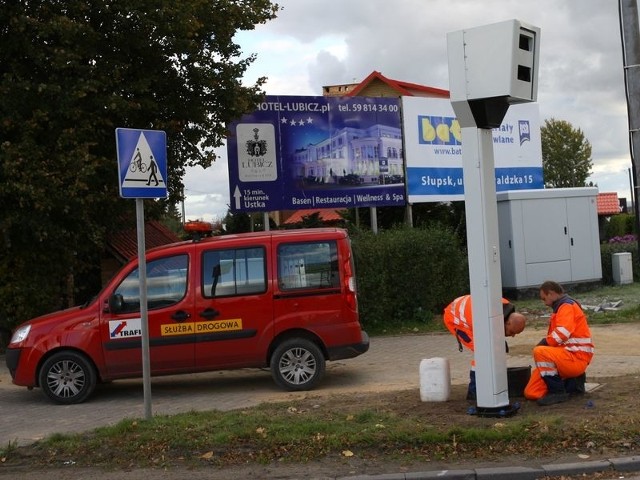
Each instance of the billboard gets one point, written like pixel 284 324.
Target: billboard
pixel 297 152
pixel 433 150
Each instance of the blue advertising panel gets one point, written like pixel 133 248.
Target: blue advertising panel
pixel 317 152
pixel 433 150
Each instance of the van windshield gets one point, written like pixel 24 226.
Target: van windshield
pixel 166 283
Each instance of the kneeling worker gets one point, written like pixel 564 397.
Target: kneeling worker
pixel 562 357
pixel 457 319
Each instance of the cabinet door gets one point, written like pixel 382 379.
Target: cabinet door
pixel 506 230
pixel 545 230
pixel 583 238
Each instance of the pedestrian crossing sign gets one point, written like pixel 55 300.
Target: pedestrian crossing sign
pixel 142 163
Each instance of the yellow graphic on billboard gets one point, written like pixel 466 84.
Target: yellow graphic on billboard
pixel 201 327
pixel 437 130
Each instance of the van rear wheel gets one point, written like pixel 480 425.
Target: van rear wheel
pixel 297 364
pixel 67 378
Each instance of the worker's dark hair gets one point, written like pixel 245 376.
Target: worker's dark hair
pixel 551 286
pixel 507 309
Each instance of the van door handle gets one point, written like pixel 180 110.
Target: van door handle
pixel 180 316
pixel 209 313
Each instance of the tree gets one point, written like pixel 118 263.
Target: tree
pixel 236 222
pixel 312 221
pixel 70 74
pixel 566 155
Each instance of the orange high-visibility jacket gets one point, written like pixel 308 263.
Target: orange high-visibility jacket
pixel 568 329
pixel 457 318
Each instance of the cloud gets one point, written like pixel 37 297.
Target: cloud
pixel 325 69
pixel 207 190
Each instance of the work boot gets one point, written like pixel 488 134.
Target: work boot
pixel 471 390
pixel 556 392
pixel 553 398
pixel 576 385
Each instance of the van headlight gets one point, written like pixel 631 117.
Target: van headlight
pixel 20 334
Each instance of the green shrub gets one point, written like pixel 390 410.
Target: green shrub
pixel 406 275
pixel 620 225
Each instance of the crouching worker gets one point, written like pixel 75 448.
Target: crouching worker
pixel 457 319
pixel 562 357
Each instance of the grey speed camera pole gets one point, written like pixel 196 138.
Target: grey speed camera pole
pixel 490 68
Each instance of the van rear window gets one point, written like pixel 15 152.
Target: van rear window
pixel 309 265
pixel 239 271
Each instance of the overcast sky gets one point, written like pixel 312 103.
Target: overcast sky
pixel 314 43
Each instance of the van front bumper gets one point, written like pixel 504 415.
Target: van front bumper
pixel 12 357
pixel 349 351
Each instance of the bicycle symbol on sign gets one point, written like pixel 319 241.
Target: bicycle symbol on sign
pixel 137 163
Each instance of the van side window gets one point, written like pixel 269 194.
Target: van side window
pixel 239 271
pixel 308 265
pixel 166 284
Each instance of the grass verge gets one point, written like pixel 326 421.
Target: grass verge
pixel 395 426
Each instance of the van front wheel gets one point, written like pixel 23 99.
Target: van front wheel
pixel 67 378
pixel 297 364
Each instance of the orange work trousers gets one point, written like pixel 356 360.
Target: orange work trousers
pixel 552 361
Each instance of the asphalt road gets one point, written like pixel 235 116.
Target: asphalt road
pixel 392 363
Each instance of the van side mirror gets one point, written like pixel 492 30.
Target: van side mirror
pixel 116 303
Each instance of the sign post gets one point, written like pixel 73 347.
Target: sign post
pixel 142 168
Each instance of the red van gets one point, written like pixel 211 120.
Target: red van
pixel 282 299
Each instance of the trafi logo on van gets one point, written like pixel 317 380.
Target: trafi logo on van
pixel 129 328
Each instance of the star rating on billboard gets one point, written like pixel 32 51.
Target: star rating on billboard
pixel 296 123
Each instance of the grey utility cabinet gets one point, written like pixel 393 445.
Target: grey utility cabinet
pixel 548 234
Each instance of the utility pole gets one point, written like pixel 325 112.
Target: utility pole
pixel 628 12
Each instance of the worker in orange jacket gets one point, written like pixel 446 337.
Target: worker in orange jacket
pixel 457 318
pixel 562 357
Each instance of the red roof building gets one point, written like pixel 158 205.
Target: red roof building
pixel 326 215
pixel 124 244
pixel 377 85
pixel 608 204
